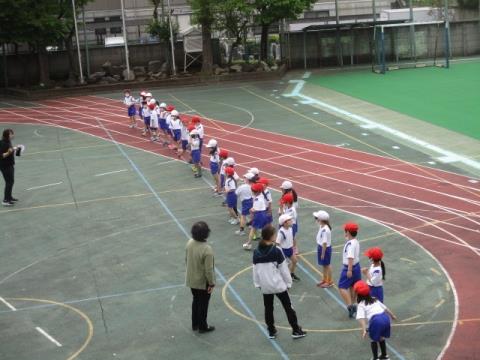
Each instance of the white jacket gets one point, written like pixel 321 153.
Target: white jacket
pixel 270 270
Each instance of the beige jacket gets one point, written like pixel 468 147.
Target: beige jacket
pixel 200 265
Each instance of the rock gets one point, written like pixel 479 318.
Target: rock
pixel 117 70
pixel 164 67
pixel 125 75
pixel 264 66
pixel 155 66
pixel 156 75
pixel 237 68
pixel 259 69
pixel 164 75
pixel 70 82
pixel 139 70
pixel 218 71
pixel 110 79
pixel 97 75
pixel 141 78
pixel 107 67
pixel 117 77
pixel 103 82
pixel 274 67
pixel 91 80
pixel 247 67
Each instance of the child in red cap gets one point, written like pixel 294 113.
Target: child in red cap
pixel 268 198
pixel 373 313
pixel 375 274
pixel 230 187
pixel 259 214
pixel 351 272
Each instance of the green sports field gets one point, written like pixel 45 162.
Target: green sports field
pixel 445 97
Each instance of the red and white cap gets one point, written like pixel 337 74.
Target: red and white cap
pixel 287 199
pixel 254 171
pixel 229 171
pixel 361 288
pixel 211 143
pixel 321 215
pixel 286 185
pixel 249 176
pixel 230 161
pixel 374 253
pixel 283 218
pixel 350 227
pixel 258 188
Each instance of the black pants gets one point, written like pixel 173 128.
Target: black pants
pixel 287 305
pixel 8 175
pixel 200 308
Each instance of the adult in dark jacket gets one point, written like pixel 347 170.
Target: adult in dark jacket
pixel 272 276
pixel 7 165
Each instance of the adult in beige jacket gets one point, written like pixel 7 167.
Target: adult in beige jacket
pixel 200 276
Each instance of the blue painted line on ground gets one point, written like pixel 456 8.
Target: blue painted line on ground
pixel 182 228
pixel 341 303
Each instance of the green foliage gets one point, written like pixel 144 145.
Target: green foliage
pixel 204 11
pixel 43 22
pixel 233 16
pixel 161 29
pixel 270 11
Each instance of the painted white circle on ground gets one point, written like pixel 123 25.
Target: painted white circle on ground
pixel 364 134
pixel 315 113
pixel 339 123
pixel 395 147
pixel 432 162
pixel 473 181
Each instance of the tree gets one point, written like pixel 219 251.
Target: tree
pixel 161 29
pixel 204 14
pixel 270 11
pixel 234 16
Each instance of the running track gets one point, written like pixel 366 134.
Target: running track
pixel 437 209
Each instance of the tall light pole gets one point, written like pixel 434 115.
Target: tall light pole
pixel 82 81
pixel 127 60
pixel 174 68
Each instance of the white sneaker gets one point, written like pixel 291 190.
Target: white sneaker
pixel 235 222
pixel 231 220
pixel 240 232
pixel 247 246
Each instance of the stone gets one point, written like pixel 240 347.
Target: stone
pixel 274 67
pixel 110 79
pixel 247 67
pixel 141 78
pixel 70 82
pixel 116 70
pixel 264 66
pixel 237 68
pixel 154 66
pixel 107 67
pixel 164 67
pixel 139 70
pixel 125 75
pixel 117 77
pixel 97 75
pixel 156 75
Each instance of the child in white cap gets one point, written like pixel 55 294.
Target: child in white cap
pixel 324 247
pixel 214 153
pixel 244 194
pixel 286 242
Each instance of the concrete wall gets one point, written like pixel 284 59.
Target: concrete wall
pixel 357 45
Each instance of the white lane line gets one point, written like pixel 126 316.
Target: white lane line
pixel 10 306
pixel 37 133
pixel 306 75
pixel 446 155
pixel 44 186
pixel 111 172
pixel 48 336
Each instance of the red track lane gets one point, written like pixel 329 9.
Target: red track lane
pixel 386 195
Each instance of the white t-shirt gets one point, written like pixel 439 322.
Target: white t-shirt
pixel 184 134
pixel 292 212
pixel 154 119
pixel 215 157
pixel 376 274
pixel 176 123
pixel 244 192
pixel 259 203
pixel 285 237
pixel 222 168
pixel 163 113
pixel 200 130
pixel 129 100
pixel 194 143
pixel 324 236
pixel 169 120
pixel 230 184
pixel 146 112
pixel 351 250
pixel 368 311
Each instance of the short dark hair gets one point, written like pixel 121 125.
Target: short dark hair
pixel 200 231
pixel 267 232
pixel 369 300
pixel 353 233
pixel 6 134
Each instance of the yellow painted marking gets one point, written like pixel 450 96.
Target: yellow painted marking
pixel 440 303
pixel 414 166
pixel 408 260
pixel 71 308
pixel 411 318
pixel 435 271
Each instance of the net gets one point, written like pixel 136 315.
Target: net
pixel 409 45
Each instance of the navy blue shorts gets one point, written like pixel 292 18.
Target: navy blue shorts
pixel 232 199
pixel 213 167
pixel 288 252
pixel 201 144
pixel 376 292
pixel 222 181
pixel 146 120
pixel 196 156
pixel 328 255
pixel 344 282
pixel 177 133
pixel 269 218
pixel 184 144
pixel 246 206
pixel 163 124
pixel 379 327
pixel 259 219
pixel 131 111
